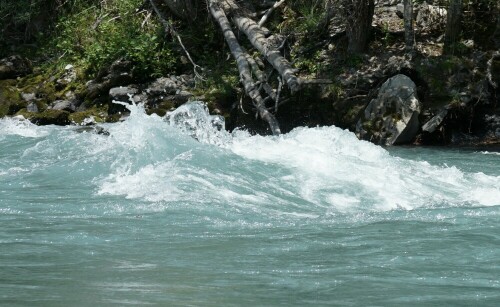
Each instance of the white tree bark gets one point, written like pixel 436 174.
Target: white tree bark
pixel 244 68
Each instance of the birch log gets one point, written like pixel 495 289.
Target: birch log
pixel 244 69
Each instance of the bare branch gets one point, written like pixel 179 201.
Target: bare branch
pixel 170 28
pixel 269 12
pixel 243 67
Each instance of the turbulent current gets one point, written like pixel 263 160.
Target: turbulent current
pixel 175 211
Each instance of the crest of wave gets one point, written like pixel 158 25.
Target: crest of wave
pixel 331 166
pixel 327 168
pixel 21 127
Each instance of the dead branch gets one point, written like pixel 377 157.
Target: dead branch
pixel 269 12
pixel 243 66
pixel 316 81
pixel 169 28
pixel 258 40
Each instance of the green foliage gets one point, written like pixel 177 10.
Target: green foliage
pixel 90 34
pixel 303 16
pixel 220 86
pixel 310 15
pixel 96 36
pixel 309 65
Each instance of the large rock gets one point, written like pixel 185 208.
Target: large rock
pixel 119 73
pixel 122 93
pixel 67 77
pixel 392 118
pixel 14 66
pixel 172 89
pixel 47 117
pixel 63 105
pixel 162 86
pixel 430 17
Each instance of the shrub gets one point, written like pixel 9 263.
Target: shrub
pixel 99 34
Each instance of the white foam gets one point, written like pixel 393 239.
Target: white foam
pixel 21 127
pixel 323 170
pixel 332 166
pixel 490 153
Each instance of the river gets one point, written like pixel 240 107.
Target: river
pixel 145 214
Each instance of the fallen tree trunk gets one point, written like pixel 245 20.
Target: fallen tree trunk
pixel 269 12
pixel 244 68
pixel 240 14
pixel 257 37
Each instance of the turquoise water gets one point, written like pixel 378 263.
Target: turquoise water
pixel 147 215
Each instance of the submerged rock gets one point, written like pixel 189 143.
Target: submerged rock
pixel 92 129
pixel 392 118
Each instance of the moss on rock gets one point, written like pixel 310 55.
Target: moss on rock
pixel 47 117
pixel 10 98
pixel 99 116
pixel 162 108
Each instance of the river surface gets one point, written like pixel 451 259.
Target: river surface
pixel 147 215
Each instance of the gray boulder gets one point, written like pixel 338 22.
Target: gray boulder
pixel 162 86
pixel 119 73
pixel 174 89
pixel 28 97
pixel 182 97
pixel 122 93
pixel 392 118
pixel 430 17
pixel 67 77
pixel 32 107
pixel 63 105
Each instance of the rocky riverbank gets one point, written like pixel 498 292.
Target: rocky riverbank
pixel 387 96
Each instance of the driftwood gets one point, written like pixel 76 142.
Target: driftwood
pixel 236 15
pixel 273 56
pixel 244 68
pixel 169 28
pixel 228 13
pixel 269 12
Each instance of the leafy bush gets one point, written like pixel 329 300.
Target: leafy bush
pixel 89 33
pixel 99 34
